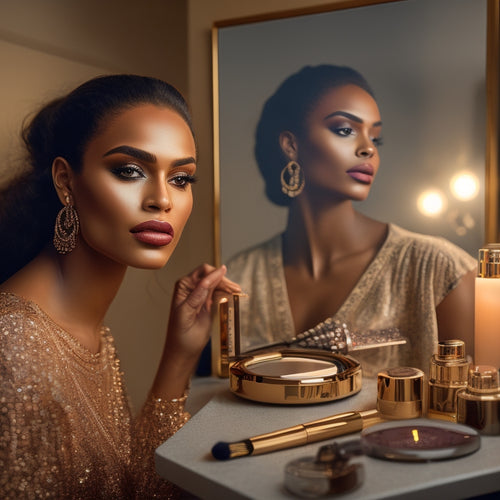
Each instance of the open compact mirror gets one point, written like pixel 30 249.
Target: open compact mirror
pixel 414 440
pixel 295 376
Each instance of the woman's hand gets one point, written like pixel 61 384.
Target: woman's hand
pixel 189 326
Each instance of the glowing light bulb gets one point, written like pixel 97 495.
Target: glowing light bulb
pixel 431 203
pixel 464 186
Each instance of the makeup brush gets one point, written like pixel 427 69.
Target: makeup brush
pixel 298 435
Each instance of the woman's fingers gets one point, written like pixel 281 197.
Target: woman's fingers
pixel 203 282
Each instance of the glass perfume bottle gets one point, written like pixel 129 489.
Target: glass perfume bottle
pixel 487 307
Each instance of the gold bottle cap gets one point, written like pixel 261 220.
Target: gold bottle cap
pixel 451 349
pixel 483 378
pixel 449 365
pixel 489 261
pixel 399 392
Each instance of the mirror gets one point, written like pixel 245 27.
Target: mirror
pixel 433 65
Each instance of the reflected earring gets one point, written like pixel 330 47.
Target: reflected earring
pixel 292 179
pixel 66 228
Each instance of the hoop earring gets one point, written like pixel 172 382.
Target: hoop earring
pixel 66 228
pixel 292 179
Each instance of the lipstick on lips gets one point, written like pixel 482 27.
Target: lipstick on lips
pixel 154 232
pixel 363 173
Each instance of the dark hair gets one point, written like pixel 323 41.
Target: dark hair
pixel 287 109
pixel 64 127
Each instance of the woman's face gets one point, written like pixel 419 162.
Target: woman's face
pixel 133 194
pixel 338 148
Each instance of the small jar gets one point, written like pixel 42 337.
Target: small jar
pixel 479 404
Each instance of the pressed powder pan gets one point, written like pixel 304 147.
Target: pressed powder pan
pixel 295 376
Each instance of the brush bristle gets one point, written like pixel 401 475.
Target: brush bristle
pixel 225 451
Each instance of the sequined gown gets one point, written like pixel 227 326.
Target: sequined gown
pixel 400 289
pixel 66 429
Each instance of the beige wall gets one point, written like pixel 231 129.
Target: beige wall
pixel 50 46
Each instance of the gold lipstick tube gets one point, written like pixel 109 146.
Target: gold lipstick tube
pixel 226 334
pixel 447 375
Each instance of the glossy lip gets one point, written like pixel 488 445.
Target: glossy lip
pixel 154 232
pixel 363 173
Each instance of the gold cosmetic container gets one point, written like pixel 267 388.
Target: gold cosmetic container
pixel 478 405
pixel 226 334
pixel 400 393
pixel 284 376
pixel 295 376
pixel 447 375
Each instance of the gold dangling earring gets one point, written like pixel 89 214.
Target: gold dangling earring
pixel 66 228
pixel 292 179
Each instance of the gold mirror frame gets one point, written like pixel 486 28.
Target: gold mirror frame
pixel 491 189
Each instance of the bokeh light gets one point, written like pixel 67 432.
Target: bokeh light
pixel 464 186
pixel 431 203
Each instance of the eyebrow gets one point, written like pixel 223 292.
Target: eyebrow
pixel 352 117
pixel 142 155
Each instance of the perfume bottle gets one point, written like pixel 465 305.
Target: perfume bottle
pixel 447 375
pixel 479 404
pixel 487 307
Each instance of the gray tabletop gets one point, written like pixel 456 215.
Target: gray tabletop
pixel 185 459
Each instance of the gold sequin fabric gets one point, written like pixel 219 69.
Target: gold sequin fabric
pixel 66 429
pixel 410 275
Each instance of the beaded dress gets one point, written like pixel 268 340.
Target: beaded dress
pixel 66 429
pixel 400 289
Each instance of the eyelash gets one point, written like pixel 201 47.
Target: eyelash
pixel 122 171
pixel 341 131
pixel 186 179
pixel 179 180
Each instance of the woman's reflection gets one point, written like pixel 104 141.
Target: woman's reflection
pixel 317 148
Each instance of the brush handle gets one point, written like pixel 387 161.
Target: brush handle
pixel 298 435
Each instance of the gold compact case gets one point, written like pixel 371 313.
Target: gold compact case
pixel 295 376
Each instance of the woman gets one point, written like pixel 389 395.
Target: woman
pixel 109 187
pixel 317 148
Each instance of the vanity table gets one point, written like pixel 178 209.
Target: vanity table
pixel 186 459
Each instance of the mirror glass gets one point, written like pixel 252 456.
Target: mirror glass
pixel 426 62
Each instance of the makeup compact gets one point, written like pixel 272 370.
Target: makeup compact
pixel 415 440
pixel 295 376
